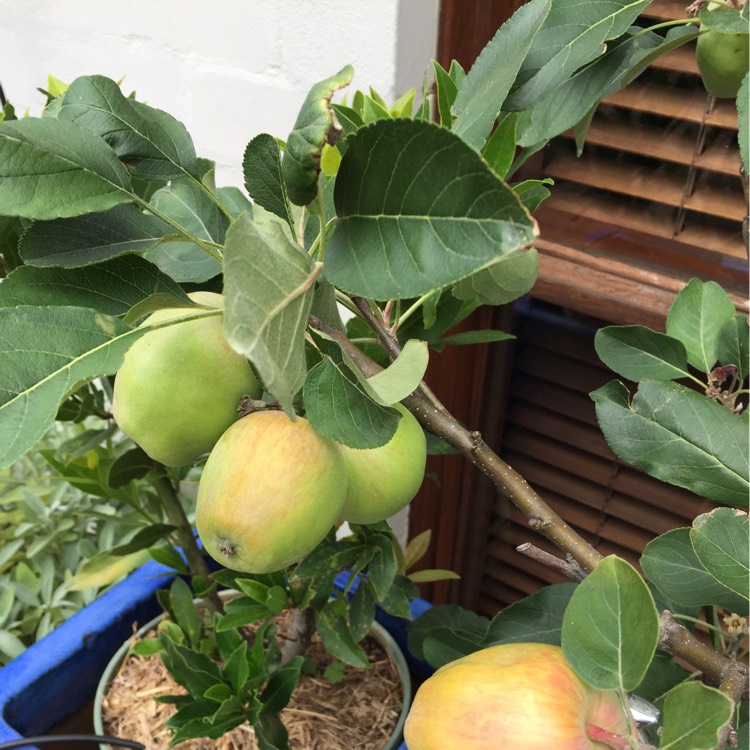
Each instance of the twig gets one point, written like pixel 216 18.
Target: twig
pixel 568 567
pixel 195 560
pixel 730 676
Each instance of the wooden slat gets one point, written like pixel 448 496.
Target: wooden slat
pixel 680 60
pixel 720 155
pixel 725 239
pixel 646 183
pixel 665 10
pixel 675 103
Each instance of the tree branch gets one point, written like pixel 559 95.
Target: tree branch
pixel 674 638
pixel 195 560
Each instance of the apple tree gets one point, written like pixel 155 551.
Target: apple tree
pixel 114 230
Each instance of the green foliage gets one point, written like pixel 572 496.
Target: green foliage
pixel 669 430
pixel 52 531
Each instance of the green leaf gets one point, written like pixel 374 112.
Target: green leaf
pixel 271 733
pixel 446 94
pixel 572 35
pixel 445 623
pixel 734 345
pixel 328 557
pixel 720 540
pixel 184 611
pixel 475 337
pixel 361 611
pixel 433 574
pixel 416 549
pixel 678 436
pixel 241 612
pixel 694 714
pixel 383 566
pixel 536 619
pixel 10 644
pixel 339 407
pixel 105 568
pixel 194 211
pixel 268 290
pixel 146 647
pixel 315 126
pixel 45 353
pixel 724 19
pixel 575 100
pixel 672 566
pixel 411 223
pixel 146 537
pixel 398 597
pixel 337 637
pixel 637 352
pixel 261 166
pixel 195 671
pixel 698 314
pixel 51 169
pixel 277 599
pixel 532 192
pixel 487 84
pixel 91 238
pixel 202 718
pixel 280 687
pixel 131 465
pixel 504 281
pixel 237 667
pixel 500 150
pixel 611 627
pixel 111 288
pixel 403 375
pixel 152 144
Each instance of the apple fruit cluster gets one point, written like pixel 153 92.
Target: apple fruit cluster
pixel 272 487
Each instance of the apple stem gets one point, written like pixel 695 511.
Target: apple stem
pixel 615 741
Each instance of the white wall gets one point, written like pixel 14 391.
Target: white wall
pixel 228 70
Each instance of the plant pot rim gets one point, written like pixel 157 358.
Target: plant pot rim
pixel 379 633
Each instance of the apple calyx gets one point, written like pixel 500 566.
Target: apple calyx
pixel 227 547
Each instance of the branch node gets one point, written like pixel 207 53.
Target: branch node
pixel 568 567
pixel 476 438
pixel 538 523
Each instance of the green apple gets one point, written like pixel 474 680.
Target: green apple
pixel 383 480
pixel 271 490
pixel 723 60
pixel 179 386
pixel 516 695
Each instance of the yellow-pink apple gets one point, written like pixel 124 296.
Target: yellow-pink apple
pixel 179 386
pixel 383 480
pixel 516 696
pixel 271 490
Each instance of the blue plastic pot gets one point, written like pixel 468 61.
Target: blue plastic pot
pixel 57 675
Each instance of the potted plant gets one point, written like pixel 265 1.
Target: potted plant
pixel 129 252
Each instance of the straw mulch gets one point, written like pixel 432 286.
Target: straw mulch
pixel 358 713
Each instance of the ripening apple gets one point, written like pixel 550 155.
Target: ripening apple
pixel 179 386
pixel 271 490
pixel 516 695
pixel 723 60
pixel 383 480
